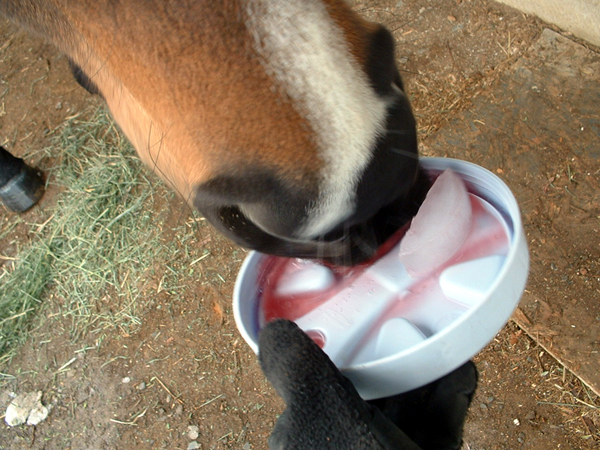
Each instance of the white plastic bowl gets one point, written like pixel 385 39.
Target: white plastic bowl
pixel 433 338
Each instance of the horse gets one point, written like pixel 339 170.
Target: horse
pixel 284 123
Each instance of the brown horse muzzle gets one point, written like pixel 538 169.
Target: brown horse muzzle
pixel 284 122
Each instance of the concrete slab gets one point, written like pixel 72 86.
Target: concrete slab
pixel 580 17
pixel 538 128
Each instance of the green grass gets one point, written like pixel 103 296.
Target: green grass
pixel 90 258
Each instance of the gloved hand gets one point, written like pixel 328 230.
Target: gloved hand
pixel 324 411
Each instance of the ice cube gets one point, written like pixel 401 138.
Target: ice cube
pixel 303 277
pixel 440 228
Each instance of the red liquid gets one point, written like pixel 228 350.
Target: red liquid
pixel 292 307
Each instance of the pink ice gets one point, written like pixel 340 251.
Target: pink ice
pixel 440 228
pixel 304 276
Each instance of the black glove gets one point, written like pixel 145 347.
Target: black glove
pixel 324 411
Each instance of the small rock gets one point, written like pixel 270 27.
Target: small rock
pixel 141 386
pixel 126 380
pixel 26 408
pixel 483 406
pixel 451 18
pixel 193 445
pixel 193 432
pixel 37 415
pixel 246 446
pixel 59 106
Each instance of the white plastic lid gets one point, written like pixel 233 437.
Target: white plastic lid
pixel 390 333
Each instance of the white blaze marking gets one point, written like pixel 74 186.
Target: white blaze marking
pixel 305 51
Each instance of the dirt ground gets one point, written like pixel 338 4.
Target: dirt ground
pixel 187 365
